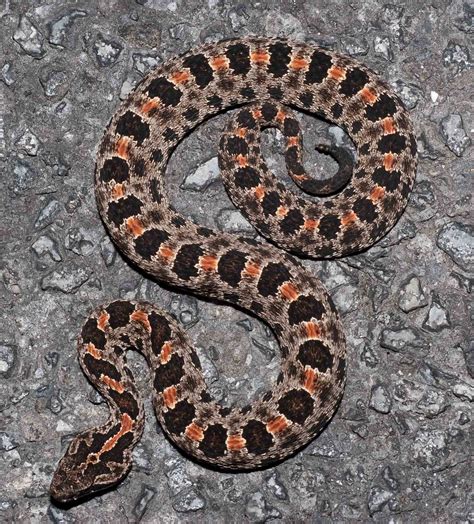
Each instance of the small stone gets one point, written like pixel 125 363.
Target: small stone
pixel 456 56
pixel 232 221
pixel 7 443
pixel 257 509
pixel 276 487
pixel 55 83
pixel 430 447
pixel 108 251
pixel 238 17
pixel 391 13
pixel 401 339
pixel 355 46
pixel 434 96
pixel 454 135
pixel 203 176
pixel 465 23
pixel 7 74
pixel 424 200
pixel 209 369
pixel 127 86
pixel 346 298
pixel 369 358
pixel 382 47
pixel 8 355
pixel 176 476
pixel 409 93
pixel 457 240
pixel 188 501
pixel 23 177
pixel 28 143
pixel 106 51
pixel 65 279
pixel 390 479
pixel 29 38
pixel 437 317
pixel 147 494
pixel 411 295
pixel 432 404
pixel 464 392
pixel 58 29
pixel 325 447
pixel 378 499
pixel 79 241
pixel 47 214
pixel 186 309
pixel 60 167
pixel 143 62
pixel 434 376
pixel 278 23
pixel 380 399
pixel 45 245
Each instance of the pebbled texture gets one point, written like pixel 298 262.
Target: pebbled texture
pixel 268 76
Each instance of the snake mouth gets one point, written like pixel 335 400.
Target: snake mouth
pixel 67 486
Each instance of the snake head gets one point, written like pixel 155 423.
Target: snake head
pixel 94 461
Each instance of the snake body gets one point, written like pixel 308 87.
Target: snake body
pixel 266 77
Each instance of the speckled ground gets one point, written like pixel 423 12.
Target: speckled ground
pixel 398 449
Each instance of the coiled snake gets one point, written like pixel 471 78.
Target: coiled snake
pixel 266 77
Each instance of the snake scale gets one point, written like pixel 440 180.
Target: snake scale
pixel 265 78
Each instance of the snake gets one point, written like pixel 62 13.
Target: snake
pixel 263 80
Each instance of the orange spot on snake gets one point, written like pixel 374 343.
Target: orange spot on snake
pixel 293 141
pixel 122 147
pixel 126 426
pixel 102 320
pixel 219 63
pixel 310 379
pixel 142 318
pixel 118 191
pixel 235 442
pixel 289 291
pixel 112 384
pixel 388 160
pixel 149 105
pixel 180 77
pixel 310 224
pixel 92 350
pixel 282 211
pixel 368 95
pixel 208 262
pixel 260 57
pixel 169 397
pixel 241 131
pixel 242 160
pixel 298 63
pixel 165 353
pixel 252 269
pixel 336 72
pixel 277 424
pixel 259 192
pixel 377 193
pixel 257 114
pixel 194 432
pixel 167 253
pixel 348 218
pixel 300 177
pixel 313 331
pixel 135 226
pixel 281 115
pixel 388 125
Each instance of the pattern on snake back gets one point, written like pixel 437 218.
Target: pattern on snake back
pixel 267 77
